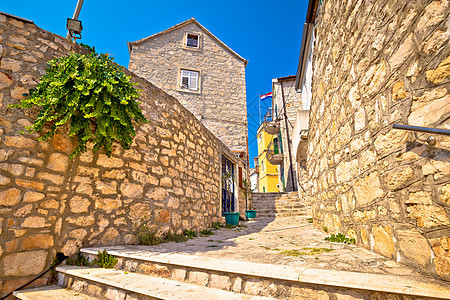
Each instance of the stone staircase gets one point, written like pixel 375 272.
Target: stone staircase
pixel 144 274
pixel 278 205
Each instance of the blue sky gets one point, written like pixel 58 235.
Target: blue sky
pixel 266 33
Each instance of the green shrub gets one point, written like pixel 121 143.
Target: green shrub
pixel 147 236
pixel 340 238
pixel 92 95
pixel 190 233
pixel 105 260
pixel 206 232
pixel 78 260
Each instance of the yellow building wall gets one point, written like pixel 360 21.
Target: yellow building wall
pixel 268 173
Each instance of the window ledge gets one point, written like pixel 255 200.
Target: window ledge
pixel 188 91
pixel 192 48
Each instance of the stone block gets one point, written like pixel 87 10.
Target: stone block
pixel 428 215
pixel 367 189
pixel 163 216
pixel 35 222
pixel 109 162
pixel 445 194
pixel 63 143
pixel 19 142
pixel 420 197
pixel 403 52
pixel 414 246
pixel 131 190
pixel 79 204
pixel 78 234
pixel 222 282
pixel 10 197
pixel 398 91
pixel 53 178
pixel 108 205
pixel 399 177
pixel 198 277
pixel 30 184
pixel 33 196
pixel 58 162
pixel 23 211
pixel 383 240
pixel 393 140
pixel 36 241
pixel 178 275
pixel 430 107
pixel 24 263
pixel 82 221
pixel 109 235
pixel 237 285
pixel 107 188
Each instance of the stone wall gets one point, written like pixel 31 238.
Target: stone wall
pixel 220 103
pixel 169 179
pixel 377 63
pixel 293 100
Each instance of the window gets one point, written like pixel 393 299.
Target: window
pixel 189 80
pixel 192 40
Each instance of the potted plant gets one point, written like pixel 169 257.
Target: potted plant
pixel 231 217
pixel 247 190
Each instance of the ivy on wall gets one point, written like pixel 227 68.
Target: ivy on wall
pixel 92 95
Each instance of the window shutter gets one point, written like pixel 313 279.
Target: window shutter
pixel 184 79
pixel 194 81
pixel 240 176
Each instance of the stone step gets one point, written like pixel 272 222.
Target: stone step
pixel 277 281
pixel 116 284
pixel 53 292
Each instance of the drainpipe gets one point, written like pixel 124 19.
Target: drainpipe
pixel 294 187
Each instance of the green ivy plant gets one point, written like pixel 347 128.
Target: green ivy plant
pixel 91 94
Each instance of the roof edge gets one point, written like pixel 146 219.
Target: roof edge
pixel 179 25
pixel 16 17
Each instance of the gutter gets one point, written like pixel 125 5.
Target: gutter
pixel 308 28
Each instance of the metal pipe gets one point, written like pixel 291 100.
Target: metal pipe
pixel 76 14
pixel 294 187
pixel 422 129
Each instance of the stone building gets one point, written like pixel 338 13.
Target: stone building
pixel 205 75
pixel 169 180
pixel 376 64
pixel 285 96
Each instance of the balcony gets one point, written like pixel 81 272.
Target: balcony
pixel 272 127
pixel 273 156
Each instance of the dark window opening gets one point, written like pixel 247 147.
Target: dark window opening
pixel 192 40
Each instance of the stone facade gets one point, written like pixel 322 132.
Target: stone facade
pixel 293 100
pixel 378 63
pixel 169 179
pixel 220 101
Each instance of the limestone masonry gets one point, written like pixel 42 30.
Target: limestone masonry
pixel 215 84
pixel 379 63
pixel 169 179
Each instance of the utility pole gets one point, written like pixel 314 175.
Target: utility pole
pixel 76 14
pixel 288 138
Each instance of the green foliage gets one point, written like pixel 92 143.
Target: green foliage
pixel 173 237
pixel 190 233
pixel 325 228
pixel 310 220
pixel 206 232
pixel 216 225
pixel 105 260
pixel 340 238
pixel 307 251
pixel 78 260
pixel 92 95
pixel 147 236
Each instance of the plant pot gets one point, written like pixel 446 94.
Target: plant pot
pixel 250 213
pixel 232 218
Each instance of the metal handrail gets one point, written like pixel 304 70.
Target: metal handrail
pixel 422 129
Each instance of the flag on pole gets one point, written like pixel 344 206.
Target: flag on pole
pixel 266 96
